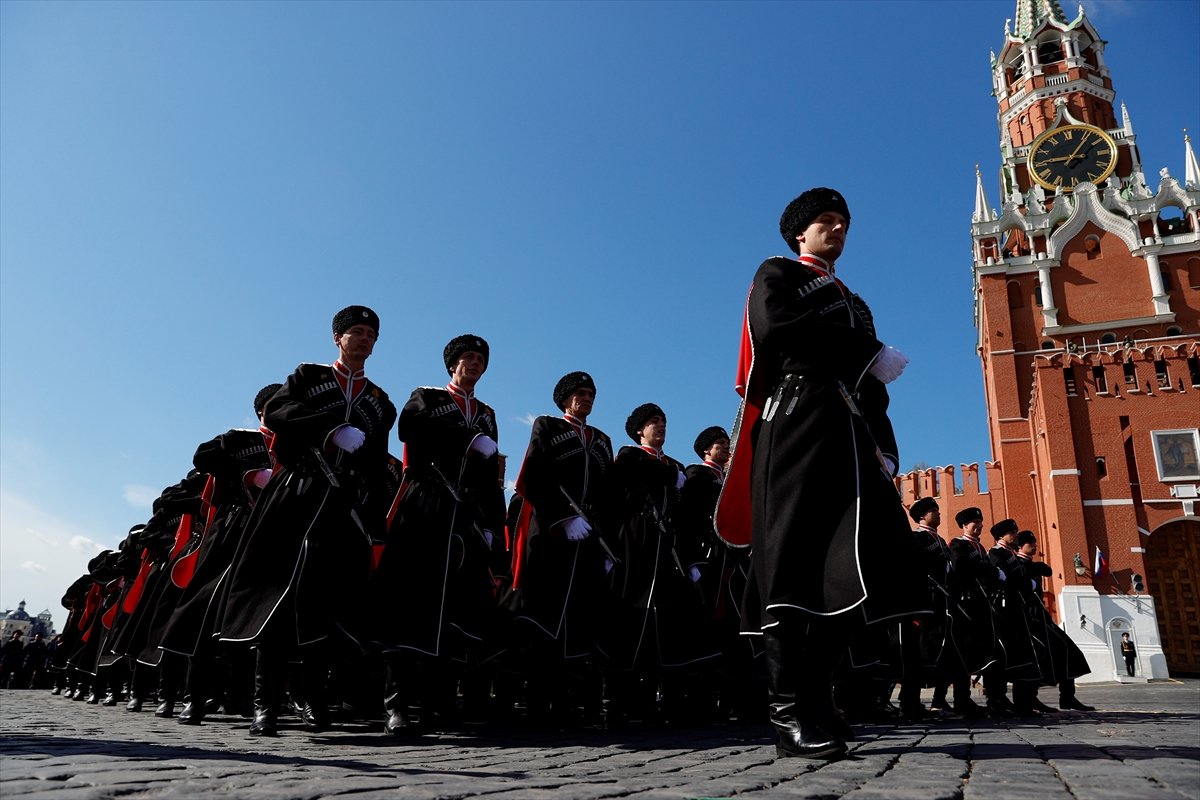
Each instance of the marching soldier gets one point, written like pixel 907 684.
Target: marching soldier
pixel 238 466
pixel 1017 662
pixel 559 554
pixel 434 590
pixel 723 573
pixel 810 483
pixel 1060 659
pixel 973 579
pixel 309 536
pixel 657 621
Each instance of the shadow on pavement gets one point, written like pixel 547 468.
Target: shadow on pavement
pixel 66 746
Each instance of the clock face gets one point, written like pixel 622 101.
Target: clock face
pixel 1070 155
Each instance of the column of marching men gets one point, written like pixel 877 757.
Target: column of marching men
pixel 302 569
pixel 299 563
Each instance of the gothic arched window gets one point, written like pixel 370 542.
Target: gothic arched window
pixel 1014 295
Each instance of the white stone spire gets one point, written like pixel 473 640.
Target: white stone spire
pixel 983 211
pixel 1125 121
pixel 1191 170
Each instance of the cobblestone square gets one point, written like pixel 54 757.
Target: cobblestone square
pixel 1142 743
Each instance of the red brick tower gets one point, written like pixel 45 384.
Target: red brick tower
pixel 1087 303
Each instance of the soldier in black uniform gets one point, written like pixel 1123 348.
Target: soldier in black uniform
pixel 811 480
pixel 1018 663
pixel 657 622
pixel 434 592
pixel 566 485
pixel 310 533
pixel 724 573
pixel 973 579
pixel 923 646
pixel 238 466
pixel 1060 659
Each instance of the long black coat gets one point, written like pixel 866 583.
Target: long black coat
pixel 725 570
pixel 299 574
pixel 1012 621
pixel 1058 657
pixel 557 583
pixel 973 580
pixel 227 459
pixel 829 534
pixel 657 619
pixel 433 593
pixel 939 653
pixel 178 516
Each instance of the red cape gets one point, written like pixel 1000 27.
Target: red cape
pixel 732 518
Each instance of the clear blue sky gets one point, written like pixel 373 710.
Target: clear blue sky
pixel 189 191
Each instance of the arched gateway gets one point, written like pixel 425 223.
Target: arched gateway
pixel 1173 577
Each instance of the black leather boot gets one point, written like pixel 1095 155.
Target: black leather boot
pixel 268 676
pixel 1073 704
pixel 195 692
pixel 399 721
pixel 166 701
pixel 798 733
pixel 193 711
pixel 315 712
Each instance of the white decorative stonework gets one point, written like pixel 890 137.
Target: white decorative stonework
pixel 1088 208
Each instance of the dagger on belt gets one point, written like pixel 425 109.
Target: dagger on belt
pixel 579 512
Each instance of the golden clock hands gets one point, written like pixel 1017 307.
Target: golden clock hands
pixel 1058 158
pixel 1079 147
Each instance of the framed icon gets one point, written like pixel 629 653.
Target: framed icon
pixel 1177 454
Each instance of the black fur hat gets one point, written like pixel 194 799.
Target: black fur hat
pixel 966 515
pixel 463 344
pixel 707 437
pixel 1003 527
pixel 568 385
pixel 639 417
pixel 350 316
pixel 264 394
pixel 1026 537
pixel 807 207
pixel 922 507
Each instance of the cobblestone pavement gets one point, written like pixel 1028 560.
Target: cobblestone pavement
pixel 1143 744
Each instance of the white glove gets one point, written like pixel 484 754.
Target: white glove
pixel 349 438
pixel 891 466
pixel 694 574
pixel 260 477
pixel 680 480
pixel 576 529
pixel 608 565
pixel 484 446
pixel 888 364
pixel 1033 584
pixel 489 537
pixel 1003 577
